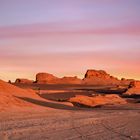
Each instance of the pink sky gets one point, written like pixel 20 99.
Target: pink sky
pixel 67 38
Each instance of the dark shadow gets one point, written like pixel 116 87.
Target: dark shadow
pixel 48 104
pixel 63 96
pixel 78 106
pixel 108 91
pixel 135 96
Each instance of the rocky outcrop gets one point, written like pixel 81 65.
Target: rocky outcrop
pixel 97 73
pixel 45 78
pixel 96 101
pixel 70 80
pixel 133 89
pixel 23 81
pixel 125 81
pixel 100 77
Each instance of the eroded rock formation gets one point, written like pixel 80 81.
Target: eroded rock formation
pixel 98 100
pixel 100 77
pixel 133 89
pixel 44 78
pixel 23 81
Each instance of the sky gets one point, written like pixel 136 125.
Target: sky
pixel 67 37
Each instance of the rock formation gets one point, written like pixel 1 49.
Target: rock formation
pixel 97 73
pixel 23 81
pixel 125 81
pixel 45 78
pixel 133 89
pixel 100 77
pixel 70 80
pixel 98 100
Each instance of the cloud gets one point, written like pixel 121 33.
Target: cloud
pixel 40 30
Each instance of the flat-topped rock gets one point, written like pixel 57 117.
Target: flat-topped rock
pixel 100 77
pixel 45 78
pixel 96 73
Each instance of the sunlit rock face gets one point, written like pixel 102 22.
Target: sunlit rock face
pixel 97 73
pixel 125 81
pixel 44 78
pixel 23 81
pixel 98 100
pixel 70 80
pixel 92 77
pixel 133 89
pixel 100 77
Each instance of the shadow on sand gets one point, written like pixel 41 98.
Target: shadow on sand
pixel 77 107
pixel 48 104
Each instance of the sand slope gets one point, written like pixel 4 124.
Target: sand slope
pixel 9 95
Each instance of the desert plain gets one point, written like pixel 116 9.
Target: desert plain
pixel 102 108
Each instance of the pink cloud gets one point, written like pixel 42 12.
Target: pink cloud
pixel 40 30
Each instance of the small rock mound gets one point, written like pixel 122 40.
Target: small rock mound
pixel 133 89
pixel 23 81
pixel 96 101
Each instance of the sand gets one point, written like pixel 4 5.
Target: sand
pixel 43 118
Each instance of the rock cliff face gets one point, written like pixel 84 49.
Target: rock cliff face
pixel 133 89
pixel 92 77
pixel 97 73
pixel 23 81
pixel 100 77
pixel 44 78
pixel 70 80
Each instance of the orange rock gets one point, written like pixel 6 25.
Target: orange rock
pixel 98 100
pixel 45 78
pixel 135 84
pixel 96 73
pixel 134 88
pixel 24 81
pixel 100 77
pixel 70 80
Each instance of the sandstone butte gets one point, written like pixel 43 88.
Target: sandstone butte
pixel 98 100
pixel 10 94
pixel 133 89
pixel 23 81
pixel 100 77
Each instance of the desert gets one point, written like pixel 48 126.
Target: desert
pixel 69 69
pixel 68 110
